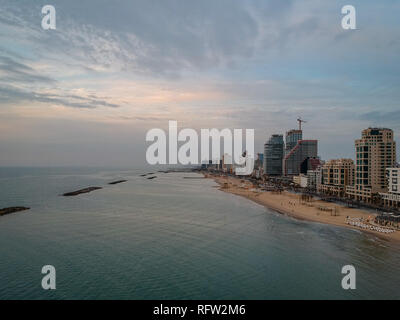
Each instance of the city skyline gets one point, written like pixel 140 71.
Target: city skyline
pixel 87 92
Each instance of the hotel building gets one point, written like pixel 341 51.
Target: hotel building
pixel 375 152
pixel 337 174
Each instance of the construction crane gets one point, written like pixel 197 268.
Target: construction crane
pixel 300 121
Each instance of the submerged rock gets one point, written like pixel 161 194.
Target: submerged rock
pixel 9 210
pixel 86 190
pixel 118 181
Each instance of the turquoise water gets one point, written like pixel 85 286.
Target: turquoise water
pixel 173 238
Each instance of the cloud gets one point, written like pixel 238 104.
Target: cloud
pixel 13 71
pixel 154 38
pixel 13 95
pixel 255 63
pixel 27 86
pixel 392 117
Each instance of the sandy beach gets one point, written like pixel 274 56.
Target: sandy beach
pixel 292 205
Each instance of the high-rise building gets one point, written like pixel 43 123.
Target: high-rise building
pixel 304 149
pixel 292 137
pixel 337 174
pixel 273 155
pixel 375 152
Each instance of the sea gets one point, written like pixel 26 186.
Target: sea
pixel 173 238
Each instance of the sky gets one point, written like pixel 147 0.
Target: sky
pixel 86 93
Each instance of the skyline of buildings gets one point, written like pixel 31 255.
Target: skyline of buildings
pixel 292 157
pixel 371 176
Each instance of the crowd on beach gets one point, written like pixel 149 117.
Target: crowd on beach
pixel 360 224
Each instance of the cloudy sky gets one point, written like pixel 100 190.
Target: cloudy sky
pixel 87 92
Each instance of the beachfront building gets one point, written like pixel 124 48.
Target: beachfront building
pixel 293 160
pixel 391 199
pixel 273 155
pixel 375 152
pixel 337 174
pixel 301 180
pixel 312 178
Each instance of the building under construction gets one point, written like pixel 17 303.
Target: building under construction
pixel 297 151
pixel 304 149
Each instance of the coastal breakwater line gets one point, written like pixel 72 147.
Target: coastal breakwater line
pixel 77 192
pixel 90 189
pixel 290 204
pixel 10 210
pixel 117 182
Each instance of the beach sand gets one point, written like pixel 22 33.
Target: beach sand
pixel 291 204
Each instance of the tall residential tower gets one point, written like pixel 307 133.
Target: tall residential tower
pixel 375 152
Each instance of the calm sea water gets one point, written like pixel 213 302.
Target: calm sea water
pixel 173 238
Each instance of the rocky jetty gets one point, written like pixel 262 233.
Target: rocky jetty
pixel 147 174
pixel 9 210
pixel 85 190
pixel 118 181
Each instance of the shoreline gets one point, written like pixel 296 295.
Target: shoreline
pixel 292 205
